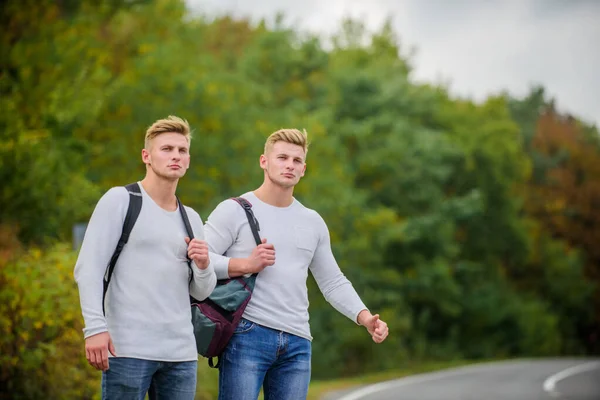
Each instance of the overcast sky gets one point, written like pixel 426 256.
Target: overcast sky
pixel 479 46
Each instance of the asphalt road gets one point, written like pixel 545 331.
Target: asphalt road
pixel 562 379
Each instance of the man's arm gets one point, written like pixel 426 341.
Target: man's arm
pixel 261 257
pixel 204 278
pixel 338 290
pixel 221 230
pixel 101 237
pixel 220 235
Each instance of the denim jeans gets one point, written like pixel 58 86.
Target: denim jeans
pixel 258 356
pixel 132 378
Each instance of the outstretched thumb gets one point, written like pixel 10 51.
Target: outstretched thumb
pixel 111 347
pixel 187 240
pixel 264 240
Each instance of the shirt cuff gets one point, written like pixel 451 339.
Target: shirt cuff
pixel 357 313
pixel 221 265
pixel 87 332
pixel 202 273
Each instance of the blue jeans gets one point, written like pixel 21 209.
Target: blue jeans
pixel 132 378
pixel 258 356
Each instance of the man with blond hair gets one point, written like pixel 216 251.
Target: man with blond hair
pixel 146 326
pixel 271 346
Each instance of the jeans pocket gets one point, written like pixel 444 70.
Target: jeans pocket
pixel 244 326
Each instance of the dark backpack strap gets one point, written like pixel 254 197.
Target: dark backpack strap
pixel 186 220
pixel 133 211
pixel 254 226
pixel 190 232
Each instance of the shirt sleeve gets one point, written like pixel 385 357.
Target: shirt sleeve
pixel 99 243
pixel 204 280
pixel 221 232
pixel 334 285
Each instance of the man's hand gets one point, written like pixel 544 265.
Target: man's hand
pixel 198 251
pixel 262 256
pixel 376 327
pixel 97 348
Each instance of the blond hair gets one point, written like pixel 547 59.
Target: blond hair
pixel 293 136
pixel 171 124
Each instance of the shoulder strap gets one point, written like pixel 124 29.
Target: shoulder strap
pixel 186 221
pixel 133 211
pixel 254 226
pixel 190 232
pixel 249 214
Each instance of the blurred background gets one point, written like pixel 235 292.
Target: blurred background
pixel 455 157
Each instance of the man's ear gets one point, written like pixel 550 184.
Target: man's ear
pixel 146 156
pixel 263 161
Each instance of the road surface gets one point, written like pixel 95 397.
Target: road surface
pixel 545 379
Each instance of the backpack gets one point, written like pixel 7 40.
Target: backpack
pixel 215 318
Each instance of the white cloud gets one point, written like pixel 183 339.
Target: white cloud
pixel 480 47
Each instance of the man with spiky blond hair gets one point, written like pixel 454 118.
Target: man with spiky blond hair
pixel 141 335
pixel 271 347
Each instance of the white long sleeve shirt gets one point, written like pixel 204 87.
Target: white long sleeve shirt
pixel 301 239
pixel 147 304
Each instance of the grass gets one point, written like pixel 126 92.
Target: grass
pixel 318 389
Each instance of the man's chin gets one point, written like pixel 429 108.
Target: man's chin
pixel 286 184
pixel 173 175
